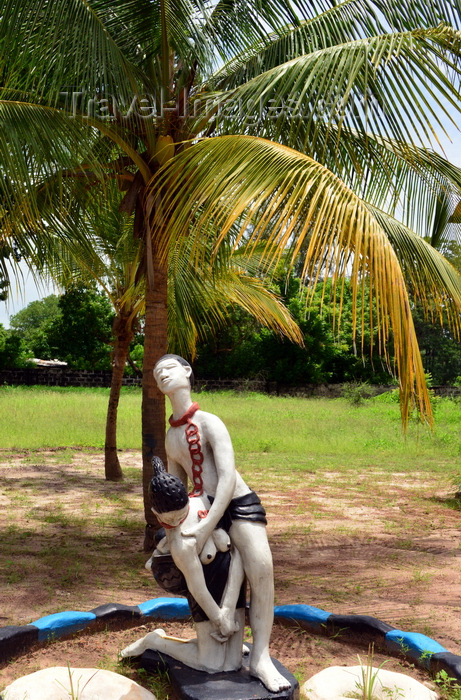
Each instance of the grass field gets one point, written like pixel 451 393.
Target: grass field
pixel 268 432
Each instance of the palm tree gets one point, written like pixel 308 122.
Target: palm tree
pixel 319 114
pixel 197 298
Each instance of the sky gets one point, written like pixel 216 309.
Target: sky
pixel 21 294
pixel 26 291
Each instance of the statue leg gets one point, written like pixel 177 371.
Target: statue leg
pixel 250 539
pixel 234 646
pixel 202 653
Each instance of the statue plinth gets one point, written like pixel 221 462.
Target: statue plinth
pixel 234 685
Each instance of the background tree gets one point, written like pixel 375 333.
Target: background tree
pixel 440 350
pixel 33 324
pixel 81 334
pixel 329 355
pixel 12 350
pixel 438 340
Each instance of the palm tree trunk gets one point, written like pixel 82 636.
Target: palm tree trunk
pixel 153 401
pixel 123 334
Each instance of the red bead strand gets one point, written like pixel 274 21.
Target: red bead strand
pixel 195 447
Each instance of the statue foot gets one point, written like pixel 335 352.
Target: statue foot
pixel 265 670
pixel 147 642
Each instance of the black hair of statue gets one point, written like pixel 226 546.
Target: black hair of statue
pixel 167 491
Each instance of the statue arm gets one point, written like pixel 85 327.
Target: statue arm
pixel 234 582
pixel 228 624
pixel 223 618
pixel 186 559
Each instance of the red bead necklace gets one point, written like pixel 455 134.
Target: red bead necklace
pixel 195 448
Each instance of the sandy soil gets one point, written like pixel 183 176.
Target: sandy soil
pixel 396 557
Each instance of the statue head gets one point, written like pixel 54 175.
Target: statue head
pixel 169 366
pixel 168 496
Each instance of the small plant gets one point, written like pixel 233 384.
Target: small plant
pixel 356 392
pixel 159 683
pixel 367 686
pixel 74 693
pixel 421 576
pixel 447 687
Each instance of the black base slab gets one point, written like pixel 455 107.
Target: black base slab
pixel 234 685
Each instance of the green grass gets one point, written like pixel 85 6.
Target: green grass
pixel 35 417
pixel 282 433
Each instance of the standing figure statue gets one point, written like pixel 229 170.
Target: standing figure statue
pixel 199 448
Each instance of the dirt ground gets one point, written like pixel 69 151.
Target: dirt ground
pixel 395 556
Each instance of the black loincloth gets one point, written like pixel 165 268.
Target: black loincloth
pixel 247 507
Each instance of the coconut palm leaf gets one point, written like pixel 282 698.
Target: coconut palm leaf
pixel 232 27
pixel 441 229
pixel 284 197
pixel 39 150
pixel 48 51
pixel 123 48
pixel 199 296
pixel 331 24
pixel 387 84
pixel 432 279
pixel 37 143
pixel 406 181
pixel 455 218
pixel 327 26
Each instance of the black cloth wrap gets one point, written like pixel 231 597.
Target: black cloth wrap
pixel 172 580
pixel 247 507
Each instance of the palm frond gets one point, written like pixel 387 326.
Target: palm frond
pixel 407 181
pixel 432 279
pixel 232 27
pixel 325 24
pixel 280 196
pixel 199 297
pixel 58 46
pixel 397 86
pixel 38 142
pixel 323 27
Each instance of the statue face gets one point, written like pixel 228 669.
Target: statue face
pixel 171 375
pixel 173 518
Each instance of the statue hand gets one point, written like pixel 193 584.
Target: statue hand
pixel 218 636
pixel 200 535
pixel 227 624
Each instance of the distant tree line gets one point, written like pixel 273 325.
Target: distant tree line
pixel 76 328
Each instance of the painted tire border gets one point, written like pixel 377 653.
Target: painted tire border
pixel 360 629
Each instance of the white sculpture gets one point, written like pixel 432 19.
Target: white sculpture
pixel 218 645
pixel 199 448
